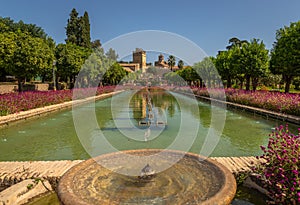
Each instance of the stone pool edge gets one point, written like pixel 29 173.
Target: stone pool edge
pixel 37 112
pixel 13 172
pixel 274 115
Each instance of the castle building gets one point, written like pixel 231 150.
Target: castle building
pixel 139 56
pixel 161 63
pixel 138 63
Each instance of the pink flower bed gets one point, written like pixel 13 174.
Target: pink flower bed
pixel 16 102
pixel 280 169
pixel 274 101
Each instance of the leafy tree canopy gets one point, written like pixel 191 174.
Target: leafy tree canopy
pixel 23 55
pixel 94 68
pixel 7 24
pixel 224 65
pixel 254 61
pixel 70 59
pixel 111 54
pixel 114 74
pixel 285 55
pixel 206 70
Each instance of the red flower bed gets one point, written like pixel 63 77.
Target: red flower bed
pixel 16 102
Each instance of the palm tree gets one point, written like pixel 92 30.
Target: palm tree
pixel 171 62
pixel 180 64
pixel 235 42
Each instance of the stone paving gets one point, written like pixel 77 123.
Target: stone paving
pixel 23 192
pixel 14 172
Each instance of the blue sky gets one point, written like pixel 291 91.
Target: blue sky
pixel 208 23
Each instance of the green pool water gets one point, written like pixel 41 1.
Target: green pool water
pixel 53 137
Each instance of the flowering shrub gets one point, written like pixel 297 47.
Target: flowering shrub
pixel 279 170
pixel 274 101
pixel 16 102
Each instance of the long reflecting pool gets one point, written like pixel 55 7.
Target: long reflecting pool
pixel 53 137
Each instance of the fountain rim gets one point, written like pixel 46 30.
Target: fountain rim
pixel 224 196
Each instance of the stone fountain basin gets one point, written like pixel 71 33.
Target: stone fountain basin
pixel 194 179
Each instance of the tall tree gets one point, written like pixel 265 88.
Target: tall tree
pixel 24 56
pixel 47 72
pixel 253 61
pixel 206 70
pixel 70 59
pixel 114 74
pixel 171 62
pixel 285 55
pixel 235 64
pixel 73 28
pixel 96 44
pixel 94 68
pixel 235 42
pixel 188 74
pixel 111 54
pixel 248 60
pixel 78 29
pixel 180 64
pixel 6 25
pixel 32 29
pixel 235 47
pixel 7 49
pixel 85 31
pixel 224 65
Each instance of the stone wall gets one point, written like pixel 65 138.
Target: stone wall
pixel 36 87
pixel 10 88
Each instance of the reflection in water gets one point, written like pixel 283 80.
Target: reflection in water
pixel 48 139
pixel 147 134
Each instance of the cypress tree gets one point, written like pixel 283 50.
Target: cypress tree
pixel 73 28
pixel 85 31
pixel 78 29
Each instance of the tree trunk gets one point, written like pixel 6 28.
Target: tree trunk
pixel 247 82
pixel 288 81
pixel 201 83
pixel 228 82
pixel 254 83
pixel 43 78
pixel 241 80
pixel 20 85
pixel 209 83
pixel 69 82
pixel 57 79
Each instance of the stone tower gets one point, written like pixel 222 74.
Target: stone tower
pixel 161 58
pixel 139 56
pixel 161 63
